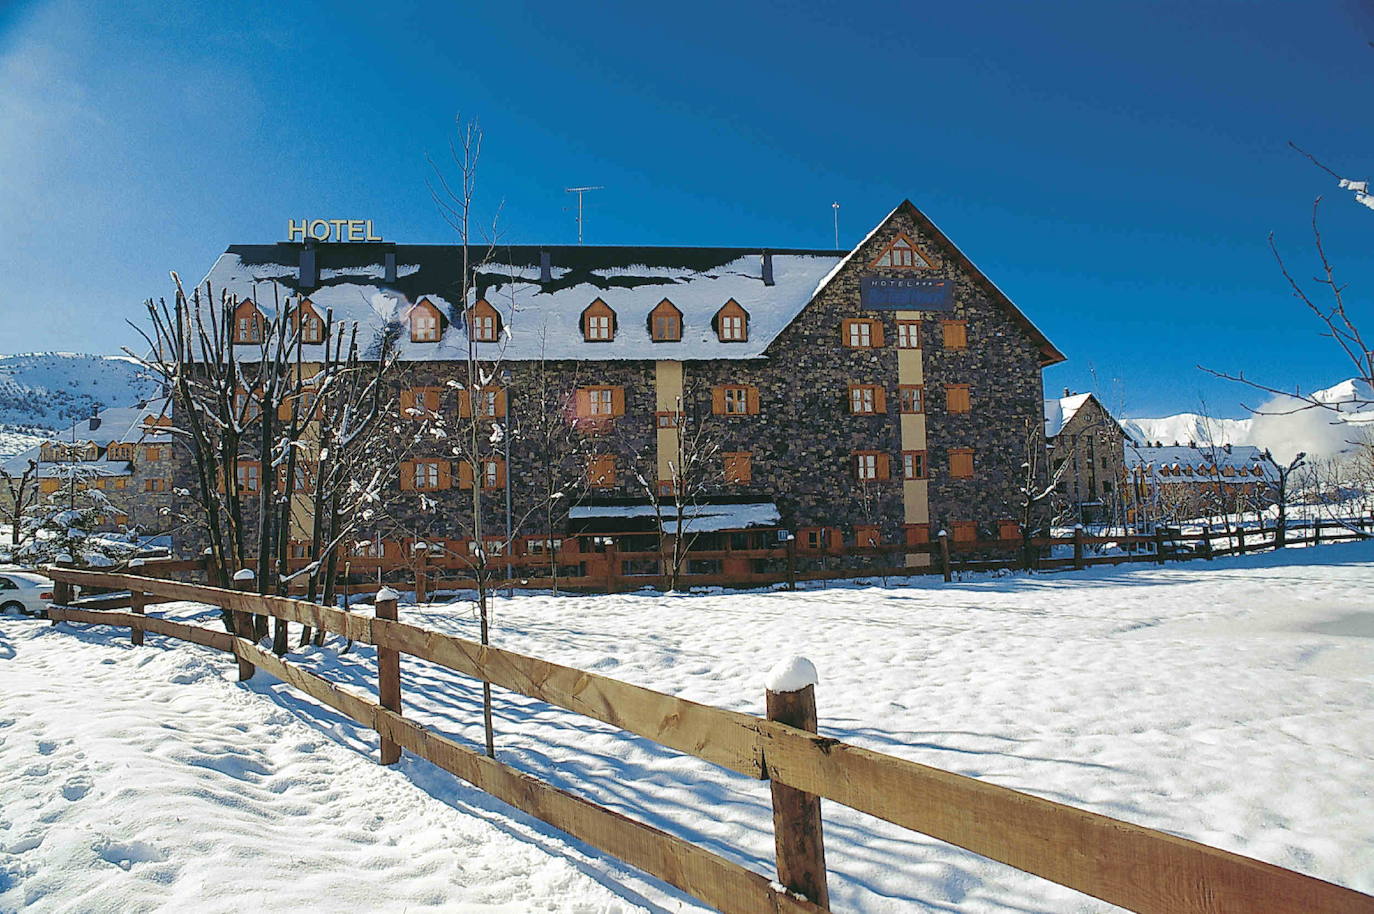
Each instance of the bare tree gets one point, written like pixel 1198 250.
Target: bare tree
pixel 1037 486
pixel 21 497
pixel 1283 490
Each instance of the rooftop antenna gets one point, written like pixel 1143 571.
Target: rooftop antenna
pixel 836 207
pixel 580 191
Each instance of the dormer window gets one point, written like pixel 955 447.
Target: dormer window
pixel 248 323
pixel 732 323
pixel 312 328
pixel 426 322
pixel 598 322
pixel 903 254
pixel 665 323
pixel 484 322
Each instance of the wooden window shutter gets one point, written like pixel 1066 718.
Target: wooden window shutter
pixel 877 333
pixel 879 400
pixel 407 401
pixel 407 475
pixel 445 474
pixel 617 401
pixel 500 473
pixel 718 400
pixel 465 403
pixel 752 401
pixel 464 474
pixel 584 402
pixel 501 402
pixel 883 467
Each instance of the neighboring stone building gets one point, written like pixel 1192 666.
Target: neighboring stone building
pixel 1086 454
pixel 1182 482
pixel 124 452
pixel 873 395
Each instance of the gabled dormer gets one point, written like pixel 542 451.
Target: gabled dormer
pixel 598 322
pixel 484 322
pixel 426 322
pixel 731 323
pixel 665 323
pixel 902 253
pixel 248 323
pixel 310 323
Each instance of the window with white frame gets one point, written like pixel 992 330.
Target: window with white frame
pixel 860 334
pixel 598 327
pixel 426 474
pixel 866 465
pixel 602 400
pixel 732 327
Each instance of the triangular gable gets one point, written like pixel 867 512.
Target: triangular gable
pixel 902 253
pixel 1049 355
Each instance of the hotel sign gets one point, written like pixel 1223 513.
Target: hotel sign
pixel 330 230
pixel 881 293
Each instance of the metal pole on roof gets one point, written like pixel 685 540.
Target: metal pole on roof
pixel 836 207
pixel 580 191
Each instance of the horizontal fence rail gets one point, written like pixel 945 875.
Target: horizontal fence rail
pixel 1137 868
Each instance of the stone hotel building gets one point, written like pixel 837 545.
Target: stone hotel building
pixel 876 395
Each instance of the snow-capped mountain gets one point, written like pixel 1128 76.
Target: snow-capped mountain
pixel 47 391
pixel 1186 427
pixel 1285 425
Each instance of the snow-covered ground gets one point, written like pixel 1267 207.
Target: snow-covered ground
pixel 1230 701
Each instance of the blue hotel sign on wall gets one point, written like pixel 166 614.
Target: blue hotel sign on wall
pixel 881 293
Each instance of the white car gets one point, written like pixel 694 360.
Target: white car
pixel 24 592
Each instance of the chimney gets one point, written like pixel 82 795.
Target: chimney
pixel 390 261
pixel 767 268
pixel 1067 393
pixel 95 418
pixel 545 267
pixel 310 276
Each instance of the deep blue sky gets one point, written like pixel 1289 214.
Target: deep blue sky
pixel 1114 167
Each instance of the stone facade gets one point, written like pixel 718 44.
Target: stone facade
pixel 1088 455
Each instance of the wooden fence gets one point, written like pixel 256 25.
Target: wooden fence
pixel 1137 868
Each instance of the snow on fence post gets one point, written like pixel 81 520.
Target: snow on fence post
pixel 243 621
pixel 797 837
pixel 137 601
pixel 1078 547
pixel 388 671
pixel 791 561
pixel 944 556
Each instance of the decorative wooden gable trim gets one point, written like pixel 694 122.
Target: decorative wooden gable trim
pixel 248 323
pixel 598 322
pixel 484 322
pixel 665 323
pixel 426 322
pixel 902 253
pixel 310 324
pixel 731 323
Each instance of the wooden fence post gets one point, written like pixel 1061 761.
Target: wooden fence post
pixel 388 672
pixel 1240 540
pixel 1317 533
pixel 1078 547
pixel 421 574
pixel 245 626
pixel 136 603
pixel 944 556
pixel 1159 545
pixel 791 561
pixel 797 836
pixel 61 592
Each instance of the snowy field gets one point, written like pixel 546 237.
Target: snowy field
pixel 1228 701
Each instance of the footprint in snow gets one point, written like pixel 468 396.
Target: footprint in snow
pixel 46 747
pixel 124 854
pixel 76 787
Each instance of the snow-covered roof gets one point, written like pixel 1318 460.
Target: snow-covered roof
pixel 85 469
pixel 708 518
pixel 121 424
pixel 1186 464
pixel 541 317
pixel 1059 412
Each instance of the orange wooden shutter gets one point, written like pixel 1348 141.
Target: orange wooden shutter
pixel 882 466
pixel 465 403
pixel 501 402
pixel 752 401
pixel 718 400
pixel 584 402
pixel 617 401
pixel 407 401
pixel 500 473
pixel 880 400
pixel 407 475
pixel 445 474
pixel 464 474
pixel 877 333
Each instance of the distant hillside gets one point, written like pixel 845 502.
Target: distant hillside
pixel 44 392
